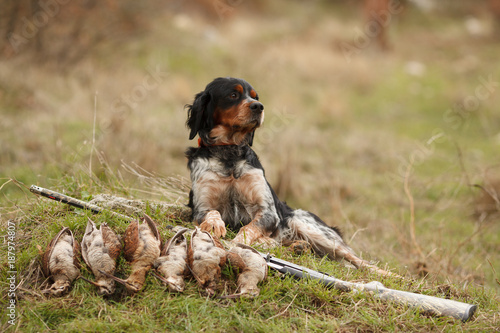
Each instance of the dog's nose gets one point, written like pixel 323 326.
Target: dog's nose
pixel 257 107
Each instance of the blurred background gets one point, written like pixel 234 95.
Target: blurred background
pixel 381 115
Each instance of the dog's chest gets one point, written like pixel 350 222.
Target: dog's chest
pixel 220 186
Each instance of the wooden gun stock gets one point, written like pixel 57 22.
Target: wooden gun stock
pixel 426 304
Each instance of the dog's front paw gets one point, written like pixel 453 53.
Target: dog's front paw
pixel 251 234
pixel 213 224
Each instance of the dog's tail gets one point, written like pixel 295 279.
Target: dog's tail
pixel 324 240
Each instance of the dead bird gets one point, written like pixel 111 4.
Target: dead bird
pixel 173 262
pixel 251 268
pixel 61 262
pixel 100 249
pixel 206 256
pixel 141 248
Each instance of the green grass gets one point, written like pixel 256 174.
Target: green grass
pixel 283 304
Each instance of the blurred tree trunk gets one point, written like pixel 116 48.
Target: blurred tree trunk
pixel 495 10
pixel 63 32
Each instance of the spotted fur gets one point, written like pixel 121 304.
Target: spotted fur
pixel 228 177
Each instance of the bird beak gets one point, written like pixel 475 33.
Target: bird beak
pixel 200 281
pixel 91 282
pixel 124 282
pixel 210 292
pixel 159 277
pixel 233 296
pixel 55 291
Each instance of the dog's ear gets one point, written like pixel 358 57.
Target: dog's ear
pixel 199 113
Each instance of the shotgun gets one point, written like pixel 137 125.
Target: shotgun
pixel 426 304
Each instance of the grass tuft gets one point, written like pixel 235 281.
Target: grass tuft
pixel 391 155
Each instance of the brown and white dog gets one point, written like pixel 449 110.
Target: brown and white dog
pixel 229 187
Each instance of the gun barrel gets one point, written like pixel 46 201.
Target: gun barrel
pixel 72 201
pixel 426 304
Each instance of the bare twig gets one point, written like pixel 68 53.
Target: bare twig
pixel 283 312
pixel 494 271
pixel 93 136
pixel 462 165
pixel 44 323
pixel 480 227
pixel 19 184
pixel 8 181
pixel 492 194
pixel 412 211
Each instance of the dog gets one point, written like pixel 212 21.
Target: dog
pixel 229 187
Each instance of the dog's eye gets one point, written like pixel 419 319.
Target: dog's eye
pixel 234 95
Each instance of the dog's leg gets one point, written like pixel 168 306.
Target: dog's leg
pixel 213 224
pixel 252 234
pixel 249 234
pixel 255 234
pixel 259 204
pixel 204 200
pixel 325 240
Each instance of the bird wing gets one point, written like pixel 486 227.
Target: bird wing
pixel 131 240
pixel 49 250
pixel 111 241
pixel 88 231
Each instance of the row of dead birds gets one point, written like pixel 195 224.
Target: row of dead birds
pixel 203 258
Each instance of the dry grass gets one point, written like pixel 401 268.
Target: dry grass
pixel 338 139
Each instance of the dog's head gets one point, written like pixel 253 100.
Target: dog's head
pixel 227 112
